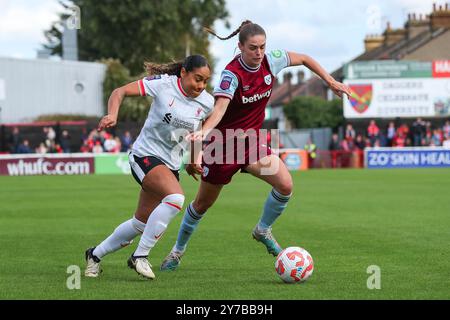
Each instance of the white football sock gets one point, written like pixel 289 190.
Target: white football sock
pixel 122 236
pixel 158 221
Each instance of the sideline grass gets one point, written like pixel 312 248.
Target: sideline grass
pixel 347 219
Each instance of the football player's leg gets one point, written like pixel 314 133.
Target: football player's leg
pixel 161 181
pixel 206 196
pixel 121 237
pixel 273 171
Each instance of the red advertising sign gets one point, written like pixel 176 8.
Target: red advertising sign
pixel 46 165
pixel 441 69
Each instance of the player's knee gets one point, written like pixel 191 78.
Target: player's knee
pixel 201 206
pixel 175 200
pixel 285 187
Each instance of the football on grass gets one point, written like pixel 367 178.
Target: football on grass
pixel 294 264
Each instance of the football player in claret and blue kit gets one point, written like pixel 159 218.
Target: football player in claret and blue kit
pixel 241 97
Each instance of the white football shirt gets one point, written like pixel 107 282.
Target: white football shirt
pixel 171 117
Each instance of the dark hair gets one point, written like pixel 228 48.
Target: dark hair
pixel 246 29
pixel 174 68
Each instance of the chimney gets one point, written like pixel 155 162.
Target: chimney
pixel 69 44
pixel 373 41
pixel 415 26
pixel 300 77
pixel 287 78
pixel 392 36
pixel 440 18
pixel 275 83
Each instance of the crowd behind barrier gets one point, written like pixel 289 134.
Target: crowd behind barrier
pixel 342 152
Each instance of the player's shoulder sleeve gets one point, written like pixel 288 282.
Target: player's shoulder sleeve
pixel 227 85
pixel 278 60
pixel 151 85
pixel 209 104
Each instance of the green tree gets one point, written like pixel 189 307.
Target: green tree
pixel 117 75
pixel 133 31
pixel 314 112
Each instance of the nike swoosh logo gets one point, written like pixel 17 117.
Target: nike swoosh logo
pixel 159 236
pixel 170 104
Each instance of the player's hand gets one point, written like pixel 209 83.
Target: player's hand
pixel 195 136
pixel 107 121
pixel 339 89
pixel 193 169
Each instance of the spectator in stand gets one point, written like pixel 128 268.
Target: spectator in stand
pixel 84 135
pixel 350 133
pixel 418 132
pixel 85 148
pixel 428 133
pixel 382 139
pixel 65 141
pixel 377 144
pixel 403 130
pixel 360 144
pixel 118 145
pixel 127 141
pixel 436 138
pixel 57 148
pixel 42 149
pixel 373 132
pixel 24 147
pixel 446 130
pixel 426 141
pixel 111 144
pixel 92 139
pixel 103 135
pixel 446 143
pixel 51 135
pixel 49 138
pixel 334 148
pixel 14 140
pixel 345 145
pixel 400 139
pixel 390 134
pixel 97 147
pixel 334 143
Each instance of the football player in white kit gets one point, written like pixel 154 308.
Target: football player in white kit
pixel 180 104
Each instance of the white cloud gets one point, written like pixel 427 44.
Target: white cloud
pixel 20 21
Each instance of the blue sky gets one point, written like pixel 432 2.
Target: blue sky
pixel 330 31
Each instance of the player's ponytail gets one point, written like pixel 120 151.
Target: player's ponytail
pixel 174 68
pixel 246 29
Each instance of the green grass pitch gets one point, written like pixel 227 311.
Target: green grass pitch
pixel 348 220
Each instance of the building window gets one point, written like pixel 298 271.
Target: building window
pixel 79 87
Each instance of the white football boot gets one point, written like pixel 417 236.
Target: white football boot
pixel 92 264
pixel 141 266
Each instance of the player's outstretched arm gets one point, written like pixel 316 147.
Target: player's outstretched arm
pixel 195 165
pixel 338 88
pixel 114 102
pixel 220 107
